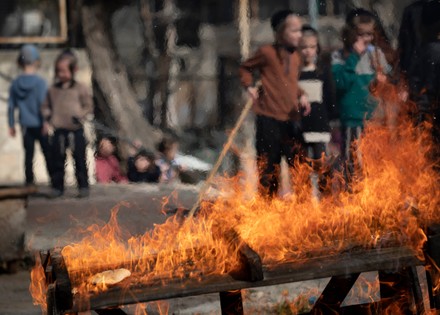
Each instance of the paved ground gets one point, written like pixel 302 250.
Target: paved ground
pixel 50 222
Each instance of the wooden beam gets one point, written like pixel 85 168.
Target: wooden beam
pixel 416 289
pixel 348 263
pixel 250 267
pixel 433 259
pixel 395 290
pixel 62 38
pixel 32 40
pixel 112 311
pixel 231 303
pixel 16 192
pixel 334 294
pixel 63 288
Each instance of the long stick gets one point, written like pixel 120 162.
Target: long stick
pixel 222 155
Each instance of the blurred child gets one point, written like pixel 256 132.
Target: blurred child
pixel 142 168
pixel 106 162
pixel 27 93
pixel 354 68
pixel 279 104
pixel 68 102
pixel 315 80
pixel 169 168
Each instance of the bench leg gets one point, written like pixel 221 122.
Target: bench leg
pixel 395 291
pixel 416 289
pixel 334 294
pixel 231 303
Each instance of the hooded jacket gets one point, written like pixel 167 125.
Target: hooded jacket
pixel 27 93
pixel 352 75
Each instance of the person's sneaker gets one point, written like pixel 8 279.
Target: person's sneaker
pixel 83 193
pixel 54 193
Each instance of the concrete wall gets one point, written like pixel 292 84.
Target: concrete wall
pixel 11 149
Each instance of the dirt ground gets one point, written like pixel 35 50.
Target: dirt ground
pixel 53 223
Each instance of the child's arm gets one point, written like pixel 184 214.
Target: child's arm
pixel 246 72
pixel 305 104
pixel 46 112
pixel 343 71
pixel 86 102
pixel 303 101
pixel 11 110
pixel 102 172
pixel 42 92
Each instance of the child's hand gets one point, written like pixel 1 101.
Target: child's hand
pixel 134 147
pixel 403 95
pixel 359 46
pixel 45 129
pixel 137 144
pixel 305 105
pixel 381 77
pixel 253 92
pixel 12 131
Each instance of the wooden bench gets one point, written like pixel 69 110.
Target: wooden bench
pixel 394 264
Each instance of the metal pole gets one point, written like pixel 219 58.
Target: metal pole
pixel 244 28
pixel 313 13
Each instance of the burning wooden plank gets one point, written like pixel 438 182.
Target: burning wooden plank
pixel 250 266
pixel 129 293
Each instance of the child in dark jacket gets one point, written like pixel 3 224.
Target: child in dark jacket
pixel 142 169
pixel 27 93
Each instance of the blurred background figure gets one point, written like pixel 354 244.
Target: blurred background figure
pixel 142 168
pixel 280 103
pixel 354 68
pixel 67 104
pixel 107 168
pixel 27 93
pixel 315 80
pixel 169 167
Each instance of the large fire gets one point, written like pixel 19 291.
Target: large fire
pixel 392 200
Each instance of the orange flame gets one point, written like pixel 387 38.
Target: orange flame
pixel 395 196
pixel 38 286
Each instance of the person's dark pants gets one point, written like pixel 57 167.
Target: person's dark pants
pixel 351 157
pixel 62 139
pixel 30 135
pixel 315 150
pixel 275 139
